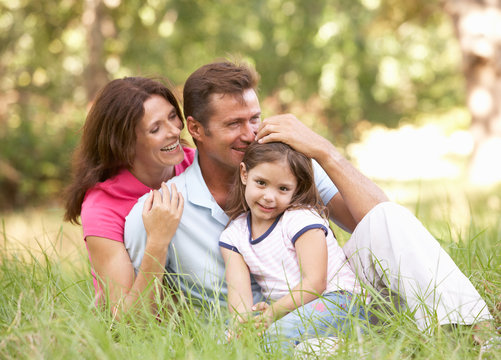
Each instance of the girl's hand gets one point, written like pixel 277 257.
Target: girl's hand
pixel 234 331
pixel 260 306
pixel 161 214
pixel 265 316
pixel 230 335
pixel 264 320
pixel 261 321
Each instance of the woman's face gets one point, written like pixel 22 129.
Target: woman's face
pixel 157 136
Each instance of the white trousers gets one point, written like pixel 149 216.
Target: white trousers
pixel 391 251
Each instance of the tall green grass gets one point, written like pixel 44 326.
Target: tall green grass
pixel 47 306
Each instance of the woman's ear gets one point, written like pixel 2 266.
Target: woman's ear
pixel 194 127
pixel 243 173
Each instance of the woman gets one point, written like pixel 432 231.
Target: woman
pixel 130 146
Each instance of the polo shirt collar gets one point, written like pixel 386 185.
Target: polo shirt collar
pixel 198 193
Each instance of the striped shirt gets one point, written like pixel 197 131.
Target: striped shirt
pixel 272 257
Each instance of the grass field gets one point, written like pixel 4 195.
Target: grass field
pixel 47 308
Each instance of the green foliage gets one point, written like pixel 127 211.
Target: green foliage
pixel 40 150
pixel 331 63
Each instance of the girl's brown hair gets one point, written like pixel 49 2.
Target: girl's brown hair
pixel 109 137
pixel 306 194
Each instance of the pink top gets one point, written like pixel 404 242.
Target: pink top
pixel 106 205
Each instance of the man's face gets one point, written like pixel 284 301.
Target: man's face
pixel 231 128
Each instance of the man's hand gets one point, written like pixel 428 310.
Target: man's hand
pixel 288 129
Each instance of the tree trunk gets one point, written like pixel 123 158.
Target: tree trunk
pixel 95 74
pixel 477 24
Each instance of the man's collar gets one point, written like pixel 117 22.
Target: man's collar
pixel 198 193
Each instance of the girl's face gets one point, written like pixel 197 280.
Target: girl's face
pixel 269 188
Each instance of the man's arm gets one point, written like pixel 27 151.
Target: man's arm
pixel 357 194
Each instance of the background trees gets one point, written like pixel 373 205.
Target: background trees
pixel 477 26
pixel 336 64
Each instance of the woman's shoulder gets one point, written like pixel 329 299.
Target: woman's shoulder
pixel 107 203
pixel 189 157
pixel 123 184
pixel 190 152
pixel 118 193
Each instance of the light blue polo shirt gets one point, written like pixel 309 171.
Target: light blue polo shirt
pixel 194 258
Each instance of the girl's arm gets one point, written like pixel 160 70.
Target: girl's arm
pixel 111 262
pixel 239 286
pixel 311 249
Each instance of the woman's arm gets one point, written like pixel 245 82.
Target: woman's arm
pixel 311 249
pixel 111 262
pixel 239 286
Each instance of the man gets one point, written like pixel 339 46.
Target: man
pixel 223 117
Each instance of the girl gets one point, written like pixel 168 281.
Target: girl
pixel 278 235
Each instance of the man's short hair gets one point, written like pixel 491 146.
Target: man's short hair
pixel 215 78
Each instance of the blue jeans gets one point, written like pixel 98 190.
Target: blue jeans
pixel 329 315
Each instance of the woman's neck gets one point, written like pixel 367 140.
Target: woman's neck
pixel 153 178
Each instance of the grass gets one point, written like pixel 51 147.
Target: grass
pixel 47 307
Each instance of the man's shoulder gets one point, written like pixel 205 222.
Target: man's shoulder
pixel 182 179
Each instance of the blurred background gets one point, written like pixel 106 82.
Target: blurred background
pixel 409 90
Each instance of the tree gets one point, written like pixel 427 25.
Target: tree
pixel 477 24
pixel 94 20
pixel 335 64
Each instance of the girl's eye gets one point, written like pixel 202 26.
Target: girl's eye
pixel 154 130
pixel 260 182
pixel 173 115
pixel 283 188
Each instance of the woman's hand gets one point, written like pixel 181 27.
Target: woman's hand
pixel 161 214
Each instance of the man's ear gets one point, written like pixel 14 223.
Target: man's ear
pixel 243 173
pixel 194 127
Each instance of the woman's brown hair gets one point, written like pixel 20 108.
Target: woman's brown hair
pixel 109 138
pixel 306 194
